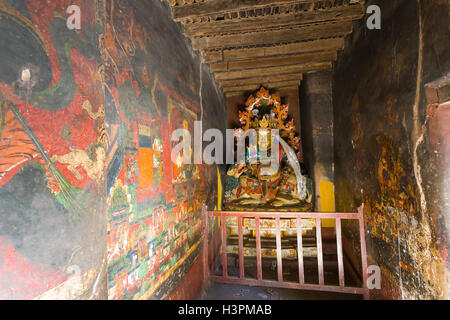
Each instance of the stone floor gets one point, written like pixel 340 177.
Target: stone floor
pixel 219 291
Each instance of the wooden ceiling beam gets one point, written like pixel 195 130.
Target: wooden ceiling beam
pixel 251 87
pixel 212 56
pixel 291 48
pixel 303 33
pixel 214 28
pixel 242 74
pixel 274 61
pixel 244 93
pixel 262 79
pixel 213 7
pixel 308 46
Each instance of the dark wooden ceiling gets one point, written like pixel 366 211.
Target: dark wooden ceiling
pixel 249 43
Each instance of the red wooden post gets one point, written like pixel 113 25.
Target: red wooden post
pixel 217 244
pixel 241 249
pixel 212 247
pixel 301 273
pixel 339 252
pixel 279 253
pixel 319 250
pixel 205 245
pixel 362 235
pixel 224 247
pixel 258 249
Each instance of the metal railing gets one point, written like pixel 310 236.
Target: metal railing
pixel 215 250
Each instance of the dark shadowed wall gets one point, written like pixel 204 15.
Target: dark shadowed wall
pixel 382 149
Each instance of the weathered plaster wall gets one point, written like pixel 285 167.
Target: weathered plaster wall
pixel 382 150
pixel 52 228
pixel 154 85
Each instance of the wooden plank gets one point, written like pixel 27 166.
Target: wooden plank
pixel 246 53
pixel 263 79
pixel 302 68
pixel 274 61
pixel 286 215
pixel 253 87
pixel 301 272
pixel 215 28
pixel 258 250
pixel 319 250
pixel 245 93
pixel 279 256
pixel 339 252
pixel 296 34
pixel 236 94
pixel 307 46
pixel 241 249
pixel 438 91
pixel 219 66
pixel 331 44
pixel 212 56
pixel 213 7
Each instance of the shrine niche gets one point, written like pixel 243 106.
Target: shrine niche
pixel 252 185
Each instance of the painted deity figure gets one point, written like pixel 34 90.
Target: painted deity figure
pixel 252 184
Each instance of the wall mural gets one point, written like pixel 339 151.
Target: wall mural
pixel 91 204
pixel 51 150
pixel 154 205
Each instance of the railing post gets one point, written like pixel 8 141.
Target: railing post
pixel 205 245
pixel 339 252
pixel 224 278
pixel 279 252
pixel 241 248
pixel 301 270
pixel 362 235
pixel 258 249
pixel 319 250
pixel 224 247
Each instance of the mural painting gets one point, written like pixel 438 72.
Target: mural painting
pixel 153 204
pixel 51 151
